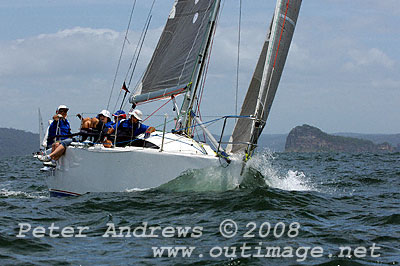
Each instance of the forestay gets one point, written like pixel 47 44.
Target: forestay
pixel 266 77
pixel 174 60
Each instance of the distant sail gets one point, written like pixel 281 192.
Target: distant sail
pixel 41 129
pixel 266 77
pixel 176 56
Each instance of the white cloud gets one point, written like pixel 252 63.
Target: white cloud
pixel 76 65
pixel 71 51
pixel 31 4
pixel 373 57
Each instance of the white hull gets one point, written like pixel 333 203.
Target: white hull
pixel 99 169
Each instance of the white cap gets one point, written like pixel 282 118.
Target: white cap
pixel 106 113
pixel 62 107
pixel 137 114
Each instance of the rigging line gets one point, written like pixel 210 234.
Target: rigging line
pixel 197 71
pixel 204 79
pixel 130 66
pixel 135 89
pixel 116 102
pixel 177 140
pixel 151 101
pixel 208 116
pixel 136 86
pixel 132 92
pixel 157 109
pixel 283 26
pixel 133 71
pixel 168 122
pixel 140 49
pixel 134 53
pixel 140 43
pixel 122 51
pixel 238 58
pixel 194 42
pixel 208 63
pixel 200 95
pixel 206 71
pixel 204 123
pixel 276 56
pixel 137 54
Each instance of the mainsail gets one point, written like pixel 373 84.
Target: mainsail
pixel 176 57
pixel 266 77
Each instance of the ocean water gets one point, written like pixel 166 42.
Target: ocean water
pixel 292 209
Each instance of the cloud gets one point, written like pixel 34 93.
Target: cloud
pixel 74 66
pixel 373 57
pixel 72 51
pixel 32 4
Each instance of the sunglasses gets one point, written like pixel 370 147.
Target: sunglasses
pixel 63 110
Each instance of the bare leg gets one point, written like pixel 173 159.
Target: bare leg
pixel 58 152
pixel 93 122
pixel 54 146
pixel 86 123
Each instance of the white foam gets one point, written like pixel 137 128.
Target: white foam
pixel 221 179
pixel 136 189
pixel 11 193
pixel 292 181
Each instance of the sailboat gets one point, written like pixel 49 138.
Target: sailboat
pixel 177 69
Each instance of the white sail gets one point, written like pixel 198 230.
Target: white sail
pixel 266 77
pixel 42 135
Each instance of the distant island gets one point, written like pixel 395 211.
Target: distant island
pixel 307 138
pixel 15 142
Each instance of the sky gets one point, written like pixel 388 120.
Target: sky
pixel 342 73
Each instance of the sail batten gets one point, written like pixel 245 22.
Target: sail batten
pixel 266 77
pixel 177 53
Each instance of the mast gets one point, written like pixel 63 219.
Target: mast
pixel 175 61
pixel 191 94
pixel 258 122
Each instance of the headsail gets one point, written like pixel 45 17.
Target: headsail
pixel 266 77
pixel 174 61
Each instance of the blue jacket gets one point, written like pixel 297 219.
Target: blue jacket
pixel 125 127
pixel 114 125
pixel 60 127
pixel 109 125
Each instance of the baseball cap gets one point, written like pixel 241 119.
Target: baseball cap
pixel 119 113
